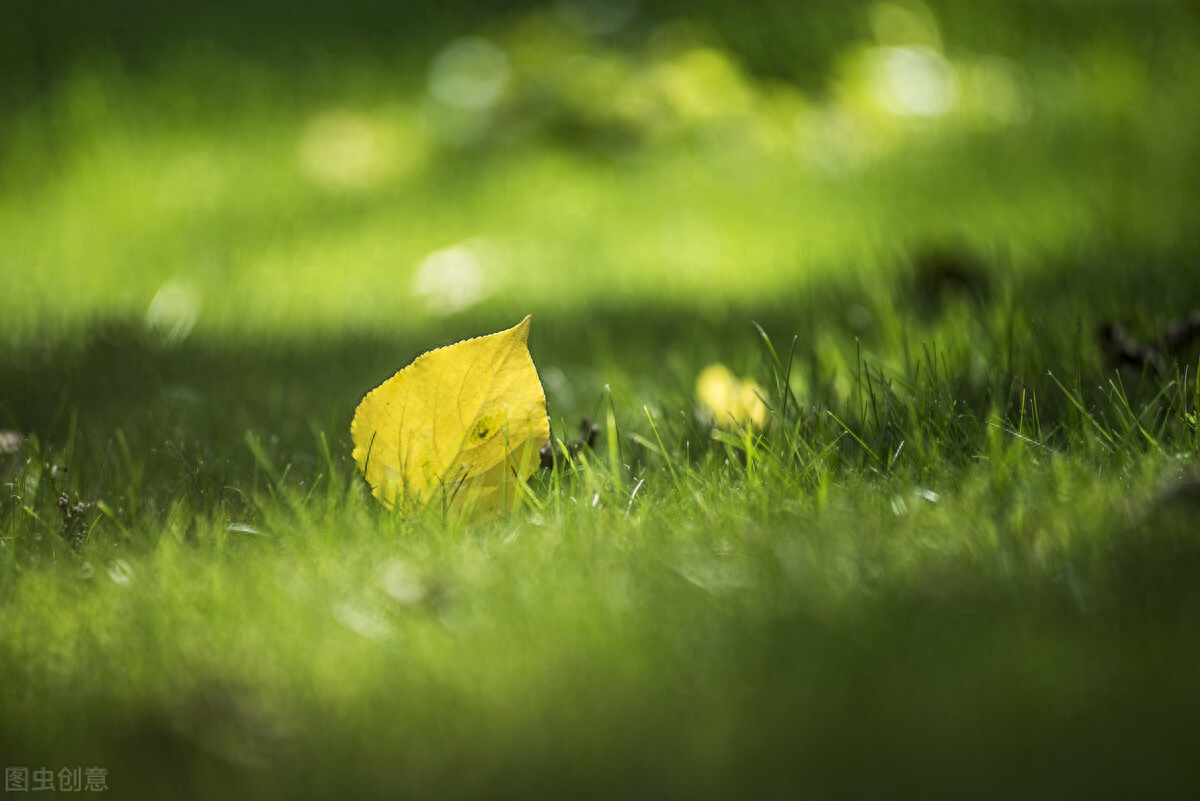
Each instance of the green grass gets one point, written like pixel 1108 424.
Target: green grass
pixel 961 559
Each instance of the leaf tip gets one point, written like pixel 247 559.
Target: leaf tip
pixel 521 329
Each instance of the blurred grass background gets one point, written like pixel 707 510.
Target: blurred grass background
pixel 220 224
pixel 293 170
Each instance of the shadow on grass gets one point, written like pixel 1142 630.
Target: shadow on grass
pixel 194 403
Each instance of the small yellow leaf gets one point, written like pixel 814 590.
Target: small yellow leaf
pixel 729 402
pixel 457 430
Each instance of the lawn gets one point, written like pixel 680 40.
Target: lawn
pixel 960 557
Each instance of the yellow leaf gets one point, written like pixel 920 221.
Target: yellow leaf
pixel 457 430
pixel 729 402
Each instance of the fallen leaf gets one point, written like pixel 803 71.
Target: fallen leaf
pixel 457 430
pixel 728 402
